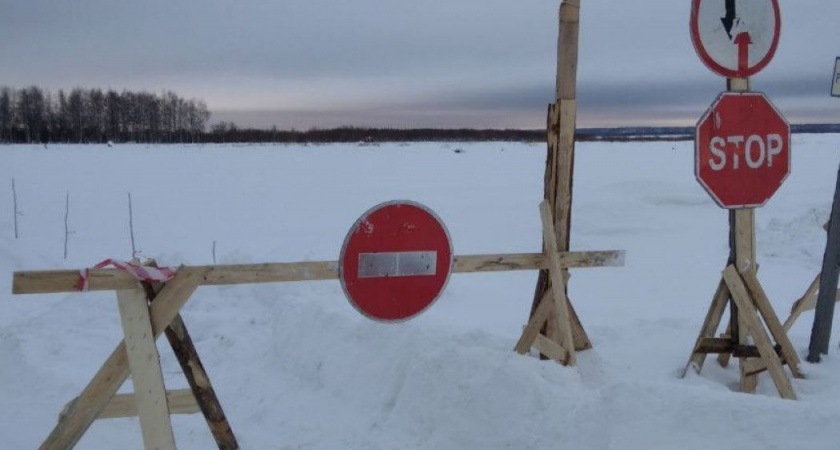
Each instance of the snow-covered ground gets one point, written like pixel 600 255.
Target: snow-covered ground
pixel 296 367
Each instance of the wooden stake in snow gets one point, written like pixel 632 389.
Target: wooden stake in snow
pixel 15 211
pixel 66 226
pixel 131 226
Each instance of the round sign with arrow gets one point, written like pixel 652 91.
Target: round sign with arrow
pixel 735 38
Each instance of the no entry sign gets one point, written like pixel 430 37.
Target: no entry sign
pixel 742 150
pixel 735 38
pixel 395 261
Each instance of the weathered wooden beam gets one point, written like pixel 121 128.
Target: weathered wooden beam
pixel 725 345
pixel 180 401
pixel 146 373
pixel 45 282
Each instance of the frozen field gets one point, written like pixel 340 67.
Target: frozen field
pixel 296 367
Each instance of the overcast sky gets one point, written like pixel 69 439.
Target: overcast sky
pixel 406 63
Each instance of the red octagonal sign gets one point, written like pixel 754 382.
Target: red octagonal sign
pixel 742 150
pixel 395 261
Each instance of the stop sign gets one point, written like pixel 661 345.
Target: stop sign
pixel 742 150
pixel 395 261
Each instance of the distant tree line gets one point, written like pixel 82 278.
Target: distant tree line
pixel 35 115
pixel 229 132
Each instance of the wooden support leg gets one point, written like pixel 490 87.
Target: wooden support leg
pixel 710 325
pixel 146 374
pixel 187 355
pixel 200 384
pixel 748 380
pixel 807 302
pixel 579 335
pixel 750 319
pixel 723 358
pixel 99 391
pixel 556 275
pixel 538 319
pixel 778 332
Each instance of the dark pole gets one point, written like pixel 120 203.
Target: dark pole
pixel 824 315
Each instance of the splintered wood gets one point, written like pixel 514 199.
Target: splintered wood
pixel 554 327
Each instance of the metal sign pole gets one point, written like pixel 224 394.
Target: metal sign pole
pixel 824 315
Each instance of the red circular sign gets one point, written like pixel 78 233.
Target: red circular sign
pixel 735 38
pixel 395 261
pixel 742 150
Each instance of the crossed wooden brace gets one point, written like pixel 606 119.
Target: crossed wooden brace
pixel 748 301
pixel 554 308
pixel 137 354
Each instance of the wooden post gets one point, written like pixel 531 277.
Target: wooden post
pixel 146 375
pixel 824 314
pixel 744 261
pixel 559 171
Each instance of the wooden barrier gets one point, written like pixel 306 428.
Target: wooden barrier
pixel 148 310
pixel 55 281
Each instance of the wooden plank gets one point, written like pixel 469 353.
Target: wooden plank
pixel 723 358
pixel 738 84
pixel 193 369
pixel 54 281
pixel 200 384
pixel 807 302
pixel 579 335
pixel 745 260
pixel 558 284
pixel 778 332
pixel 146 374
pixel 180 401
pixel 725 345
pixel 710 325
pixel 535 324
pixel 567 49
pixel 550 349
pixel 532 261
pixel 745 239
pixel 750 319
pixel 113 373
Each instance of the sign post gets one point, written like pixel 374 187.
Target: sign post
pixel 824 314
pixel 742 156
